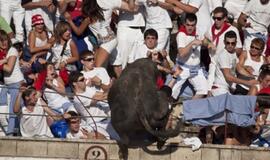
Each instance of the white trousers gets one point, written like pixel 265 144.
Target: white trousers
pixel 128 38
pixel 199 82
pixel 13 9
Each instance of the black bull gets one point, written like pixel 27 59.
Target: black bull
pixel 139 111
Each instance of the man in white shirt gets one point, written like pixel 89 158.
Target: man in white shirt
pixel 96 77
pixel 226 67
pixel 188 58
pixel 92 105
pixel 216 35
pixel 32 125
pixel 255 18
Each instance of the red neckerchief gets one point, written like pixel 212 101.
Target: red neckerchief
pixel 183 29
pixel 215 37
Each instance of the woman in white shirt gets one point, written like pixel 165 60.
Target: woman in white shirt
pixel 13 77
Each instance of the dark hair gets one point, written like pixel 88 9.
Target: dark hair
pixel 90 8
pixel 191 17
pixel 73 115
pixel 27 93
pixel 264 71
pixel 222 10
pixel 230 34
pixel 18 46
pixel 160 57
pixel 73 77
pixel 86 53
pixel 150 32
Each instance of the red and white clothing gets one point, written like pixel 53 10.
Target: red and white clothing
pixel 190 65
pixel 217 37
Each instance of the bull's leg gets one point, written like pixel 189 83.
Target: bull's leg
pixel 160 143
pixel 123 147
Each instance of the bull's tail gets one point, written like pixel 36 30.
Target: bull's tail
pixel 159 133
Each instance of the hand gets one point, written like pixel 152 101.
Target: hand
pixel 62 65
pixel 96 81
pixel 85 134
pixel 46 3
pixel 209 94
pixel 252 82
pixel 152 2
pixel 164 53
pixel 42 61
pixel 48 46
pixel 249 69
pixel 68 16
pixel 212 46
pixel 178 71
pixel 33 59
pixel 51 8
pixel 3 61
pixel 196 42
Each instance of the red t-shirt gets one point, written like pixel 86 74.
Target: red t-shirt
pixel 3 54
pixel 76 10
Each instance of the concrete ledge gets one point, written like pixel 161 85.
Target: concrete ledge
pixel 39 148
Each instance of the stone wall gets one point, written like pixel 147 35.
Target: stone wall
pixel 26 148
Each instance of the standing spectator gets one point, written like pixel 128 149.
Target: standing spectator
pixel 129 25
pixel 249 64
pixel 225 73
pixel 254 20
pixel 198 7
pixel 64 51
pixel 214 4
pixel 100 12
pixel 12 9
pixel 13 77
pixel 216 35
pixel 235 8
pixel 188 58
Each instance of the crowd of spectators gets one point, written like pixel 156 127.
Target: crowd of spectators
pixel 59 58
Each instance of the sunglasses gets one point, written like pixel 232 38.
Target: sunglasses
pixel 253 47
pixel 217 18
pixel 89 59
pixel 74 122
pixel 81 80
pixel 231 43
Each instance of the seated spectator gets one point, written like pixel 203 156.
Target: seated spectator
pixel 64 51
pixel 90 102
pixel 54 92
pixel 249 64
pixel 39 44
pixel 225 74
pixel 97 77
pixel 78 132
pixel 32 125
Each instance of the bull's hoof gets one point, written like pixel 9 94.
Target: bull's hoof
pixel 122 156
